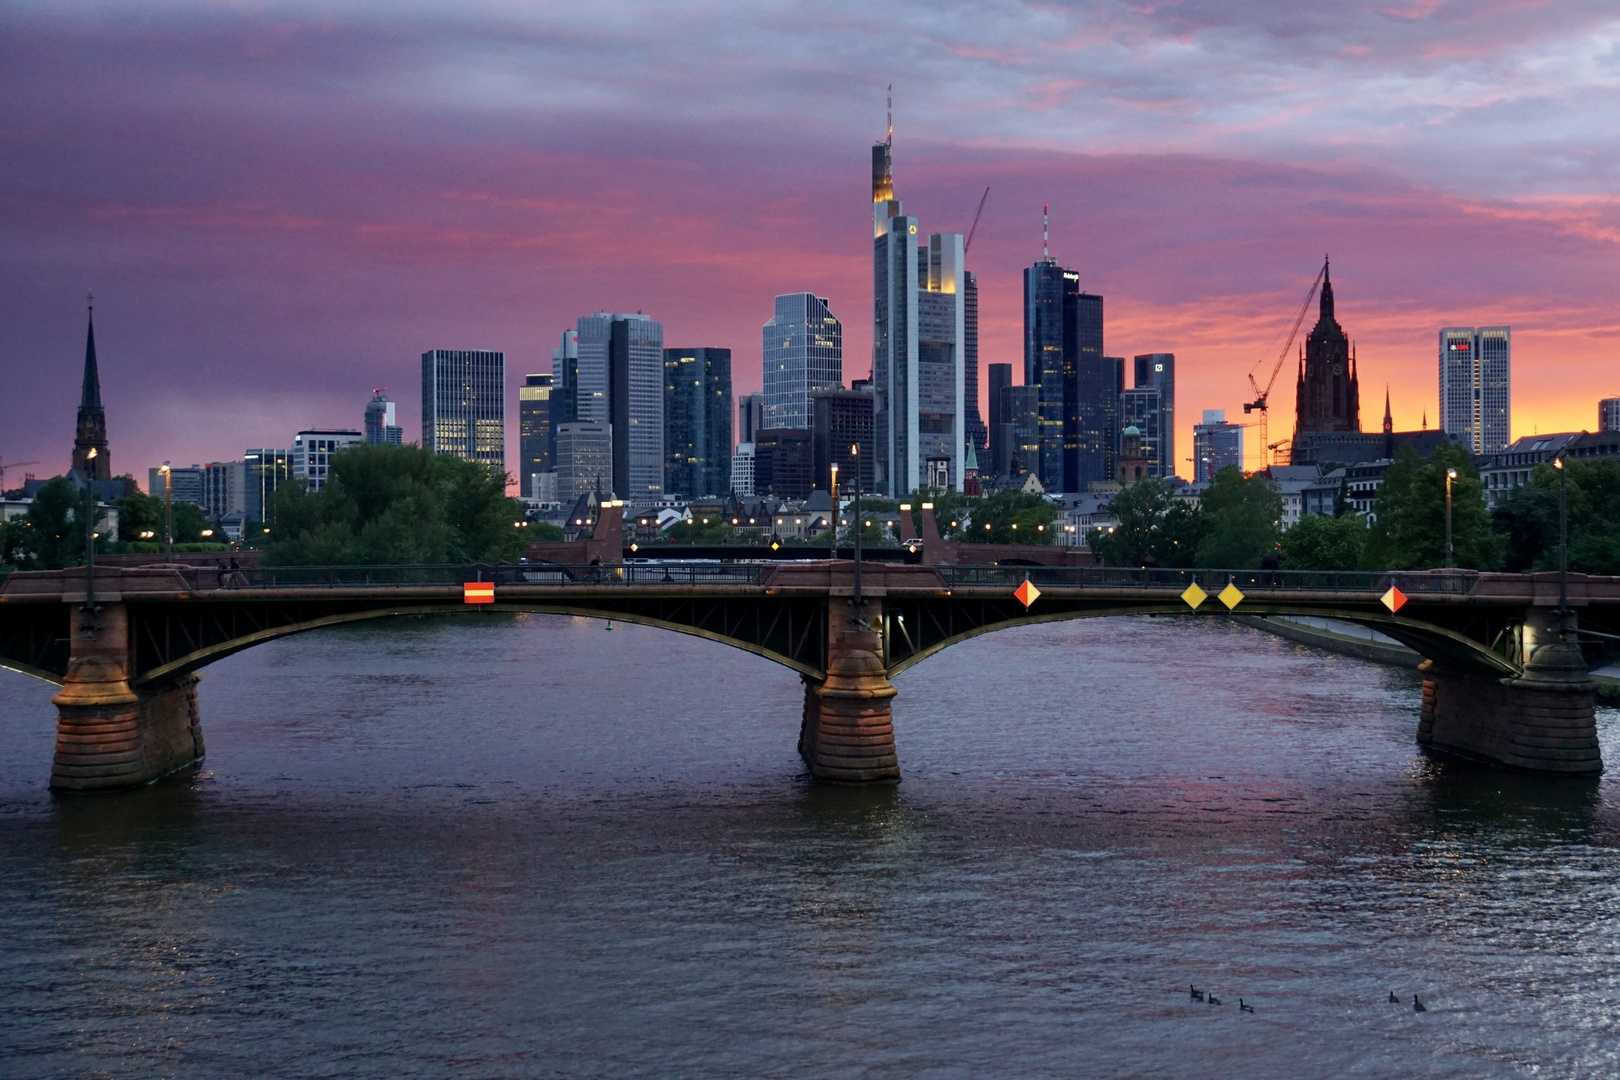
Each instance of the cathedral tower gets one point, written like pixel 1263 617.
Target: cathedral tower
pixel 1327 397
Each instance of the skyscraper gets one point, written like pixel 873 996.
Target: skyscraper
pixel 1476 386
pixel 978 434
pixel 464 405
pixel 564 383
pixel 91 431
pixel 804 352
pixel 1140 407
pixel 1327 395
pixel 535 437
pixel 919 338
pixel 697 421
pixel 839 420
pixel 1216 445
pixel 1609 414
pixel 750 416
pixel 584 460
pixel 1158 370
pixel 619 381
pixel 998 377
pixel 380 426
pixel 1018 431
pixel 1078 391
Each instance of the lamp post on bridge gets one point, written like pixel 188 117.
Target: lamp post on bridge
pixel 855 461
pixel 90 546
pixel 168 516
pixel 1563 546
pixel 1451 475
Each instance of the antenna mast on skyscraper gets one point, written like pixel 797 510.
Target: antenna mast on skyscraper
pixel 1046 253
pixel 890 140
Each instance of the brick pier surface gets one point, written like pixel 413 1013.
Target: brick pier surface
pixel 847 734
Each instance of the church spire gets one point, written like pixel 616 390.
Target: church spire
pixel 1389 419
pixel 1327 294
pixel 91 433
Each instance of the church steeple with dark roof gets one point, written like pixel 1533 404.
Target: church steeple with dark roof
pixel 1327 396
pixel 92 427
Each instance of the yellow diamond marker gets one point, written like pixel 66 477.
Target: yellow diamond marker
pixel 1230 596
pixel 1027 594
pixel 1194 596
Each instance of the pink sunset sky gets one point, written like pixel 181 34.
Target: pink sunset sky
pixel 280 207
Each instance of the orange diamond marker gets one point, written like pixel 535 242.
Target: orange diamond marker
pixel 1027 594
pixel 1394 599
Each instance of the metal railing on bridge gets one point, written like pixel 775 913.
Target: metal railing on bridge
pixel 1375 582
pixel 384 577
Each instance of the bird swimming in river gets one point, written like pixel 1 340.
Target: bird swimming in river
pixel 1393 1000
pixel 1194 993
pixel 1417 1004
pixel 1213 1000
pixel 1242 1007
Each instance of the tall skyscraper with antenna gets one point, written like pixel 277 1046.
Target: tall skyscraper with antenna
pixel 919 342
pixel 1078 387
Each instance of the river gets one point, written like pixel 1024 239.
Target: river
pixel 531 846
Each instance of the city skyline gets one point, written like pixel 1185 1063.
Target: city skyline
pixel 234 271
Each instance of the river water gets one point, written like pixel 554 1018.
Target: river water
pixel 530 846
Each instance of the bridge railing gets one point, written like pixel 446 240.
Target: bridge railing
pixel 1375 582
pixel 382 577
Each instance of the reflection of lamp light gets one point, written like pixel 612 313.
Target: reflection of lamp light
pixel 208 532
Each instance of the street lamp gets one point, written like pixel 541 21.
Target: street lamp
pixel 168 516
pixel 855 467
pixel 1563 545
pixel 1451 475
pixel 90 537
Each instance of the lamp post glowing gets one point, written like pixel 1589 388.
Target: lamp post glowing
pixel 90 538
pixel 168 516
pixel 1563 546
pixel 854 455
pixel 1451 475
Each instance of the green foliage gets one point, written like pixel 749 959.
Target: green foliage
pixel 51 535
pixel 1031 514
pixel 1410 530
pixel 1319 542
pixel 397 504
pixel 717 531
pixel 1154 528
pixel 1242 519
pixel 139 513
pixel 1528 519
pixel 544 532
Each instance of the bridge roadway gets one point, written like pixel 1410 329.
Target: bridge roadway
pixel 1504 679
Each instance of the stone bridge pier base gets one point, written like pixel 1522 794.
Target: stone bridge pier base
pixel 108 735
pixel 847 735
pixel 1543 721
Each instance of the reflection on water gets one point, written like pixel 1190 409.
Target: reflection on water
pixel 525 847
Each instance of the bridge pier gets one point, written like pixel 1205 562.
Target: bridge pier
pixel 1543 721
pixel 108 735
pixel 847 735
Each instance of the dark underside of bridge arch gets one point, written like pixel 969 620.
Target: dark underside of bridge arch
pixel 169 639
pixel 915 628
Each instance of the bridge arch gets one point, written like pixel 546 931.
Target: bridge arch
pixel 195 660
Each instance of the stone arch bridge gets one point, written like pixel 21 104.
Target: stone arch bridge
pixel 1504 680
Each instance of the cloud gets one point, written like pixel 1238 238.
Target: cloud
pixel 283 207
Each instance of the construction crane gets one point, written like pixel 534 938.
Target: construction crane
pixel 4 465
pixel 975 226
pixel 1262 398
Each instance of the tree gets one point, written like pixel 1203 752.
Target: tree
pixel 1528 519
pixel 1013 517
pixel 1153 528
pixel 1322 542
pixel 1409 531
pixel 51 536
pixel 396 504
pixel 1242 520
